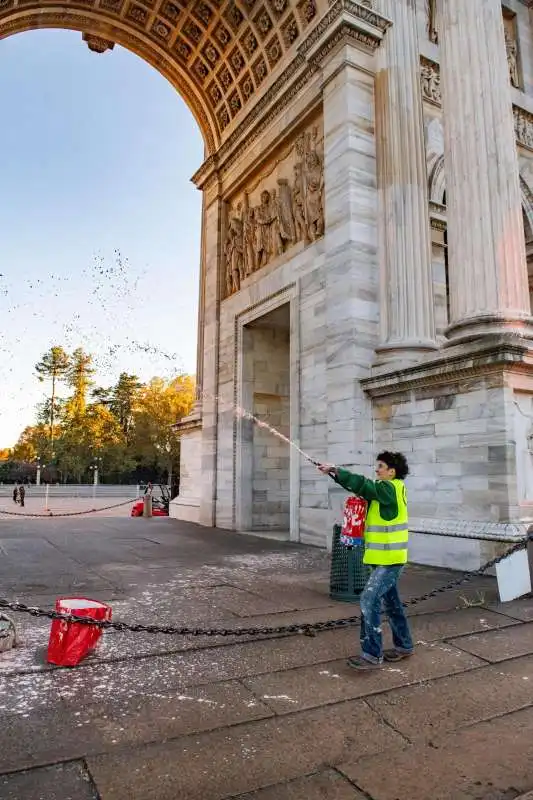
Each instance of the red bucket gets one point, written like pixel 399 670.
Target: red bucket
pixel 353 523
pixel 70 642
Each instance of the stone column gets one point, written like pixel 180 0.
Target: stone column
pixel 407 318
pixel 212 222
pixel 197 410
pixel 486 249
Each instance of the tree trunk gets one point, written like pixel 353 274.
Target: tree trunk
pixel 52 413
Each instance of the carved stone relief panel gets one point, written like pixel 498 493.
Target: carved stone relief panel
pixel 523 123
pixel 511 45
pixel 430 81
pixel 280 207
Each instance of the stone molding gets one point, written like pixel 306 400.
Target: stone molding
pixel 345 22
pixel 501 353
pixel 190 423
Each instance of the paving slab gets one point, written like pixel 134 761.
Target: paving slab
pixel 221 764
pixel 445 624
pixel 498 645
pixel 327 785
pixel 244 603
pixel 333 682
pixel 518 609
pixel 439 705
pixel 50 734
pixel 130 677
pixel 60 782
pixel 487 761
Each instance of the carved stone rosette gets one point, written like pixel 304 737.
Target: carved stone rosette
pixel 283 207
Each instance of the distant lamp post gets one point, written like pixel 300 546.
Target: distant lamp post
pixel 38 474
pixel 168 448
pixel 95 467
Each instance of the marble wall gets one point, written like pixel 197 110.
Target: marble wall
pixel 365 352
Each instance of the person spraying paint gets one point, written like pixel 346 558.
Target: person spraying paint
pixel 386 539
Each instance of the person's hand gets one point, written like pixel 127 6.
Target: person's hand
pixel 327 469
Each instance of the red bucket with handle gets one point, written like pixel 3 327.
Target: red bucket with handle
pixel 70 642
pixel 353 523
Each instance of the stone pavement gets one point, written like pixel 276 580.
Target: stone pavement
pixel 163 718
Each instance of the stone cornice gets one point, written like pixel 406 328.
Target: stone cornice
pixel 187 424
pixel 345 21
pixel 499 353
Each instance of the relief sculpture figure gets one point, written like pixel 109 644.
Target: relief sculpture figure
pixel 265 216
pixel 314 195
pixel 234 251
pixel 282 216
pixel 249 239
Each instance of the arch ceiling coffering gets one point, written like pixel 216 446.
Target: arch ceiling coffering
pixel 217 53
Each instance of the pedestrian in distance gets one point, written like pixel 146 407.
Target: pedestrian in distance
pixel 386 539
pixel 22 494
pixel 16 493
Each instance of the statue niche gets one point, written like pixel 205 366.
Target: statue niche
pixel 282 209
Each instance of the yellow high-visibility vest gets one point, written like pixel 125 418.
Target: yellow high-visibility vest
pixel 386 539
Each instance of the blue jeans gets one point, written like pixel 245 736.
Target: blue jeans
pixel 382 587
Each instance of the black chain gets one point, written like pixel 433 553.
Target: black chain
pixel 69 513
pixel 308 628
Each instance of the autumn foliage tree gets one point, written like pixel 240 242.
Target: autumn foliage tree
pixel 127 426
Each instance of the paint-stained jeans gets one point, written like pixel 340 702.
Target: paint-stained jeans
pixel 382 587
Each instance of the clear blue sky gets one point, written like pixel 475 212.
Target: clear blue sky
pixel 97 152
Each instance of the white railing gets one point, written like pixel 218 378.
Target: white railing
pixel 75 490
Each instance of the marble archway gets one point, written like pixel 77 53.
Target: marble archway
pixel 219 54
pixel 278 88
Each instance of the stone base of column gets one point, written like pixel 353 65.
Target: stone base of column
pixel 464 420
pixel 409 351
pixel 489 325
pixel 186 506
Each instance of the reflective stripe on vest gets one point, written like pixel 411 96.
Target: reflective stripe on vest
pixel 386 540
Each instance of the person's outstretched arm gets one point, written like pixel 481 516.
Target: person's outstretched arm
pixel 382 491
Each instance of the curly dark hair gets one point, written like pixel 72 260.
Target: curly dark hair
pixel 395 461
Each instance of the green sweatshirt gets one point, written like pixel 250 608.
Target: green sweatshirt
pixel 381 491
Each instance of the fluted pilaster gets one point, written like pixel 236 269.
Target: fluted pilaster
pixel 486 248
pixel 408 326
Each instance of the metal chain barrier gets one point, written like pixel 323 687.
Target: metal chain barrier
pixel 308 628
pixel 69 513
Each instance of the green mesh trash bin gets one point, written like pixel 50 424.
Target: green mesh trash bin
pixel 348 573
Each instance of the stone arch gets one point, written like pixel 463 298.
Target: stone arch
pixel 527 205
pixel 437 190
pixel 216 53
pixel 437 182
